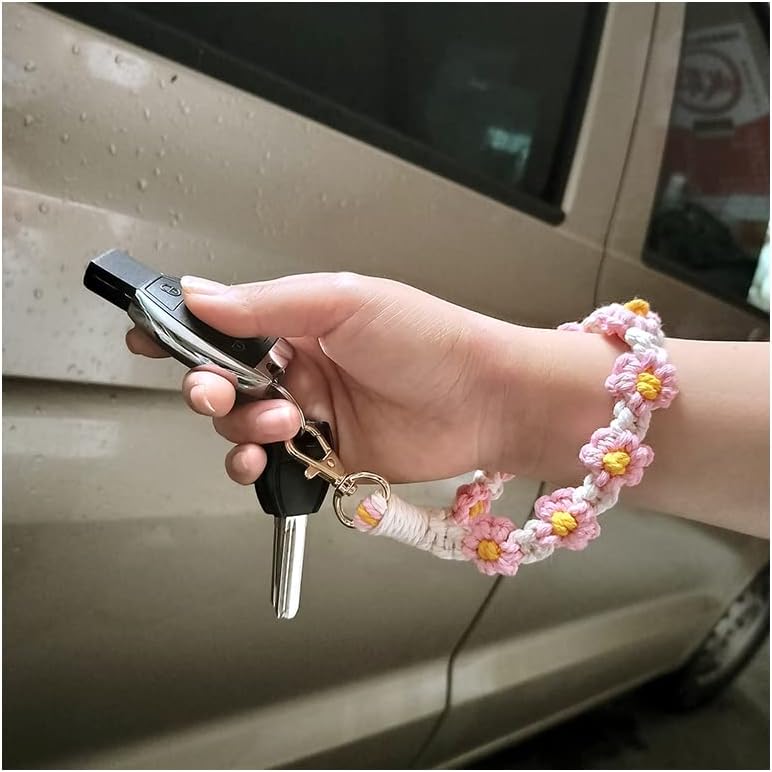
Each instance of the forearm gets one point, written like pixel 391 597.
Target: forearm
pixel 711 444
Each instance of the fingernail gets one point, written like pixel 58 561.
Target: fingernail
pixel 198 395
pixel 201 286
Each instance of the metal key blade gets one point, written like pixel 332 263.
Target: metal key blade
pixel 289 542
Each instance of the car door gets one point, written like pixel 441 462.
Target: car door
pixel 575 631
pixel 138 627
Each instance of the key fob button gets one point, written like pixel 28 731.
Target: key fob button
pixel 166 291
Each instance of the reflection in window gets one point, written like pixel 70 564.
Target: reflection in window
pixel 711 218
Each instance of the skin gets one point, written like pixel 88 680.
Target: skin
pixel 418 389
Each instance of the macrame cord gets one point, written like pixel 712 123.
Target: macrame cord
pixel 642 381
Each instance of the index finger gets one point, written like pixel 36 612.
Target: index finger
pixel 139 342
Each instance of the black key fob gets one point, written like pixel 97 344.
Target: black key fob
pixel 154 302
pixel 283 490
pixel 254 366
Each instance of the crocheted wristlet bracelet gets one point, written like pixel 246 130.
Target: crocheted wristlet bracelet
pixel 641 381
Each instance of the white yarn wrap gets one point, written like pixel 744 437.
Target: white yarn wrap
pixel 425 528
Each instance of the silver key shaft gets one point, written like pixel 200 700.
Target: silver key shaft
pixel 289 543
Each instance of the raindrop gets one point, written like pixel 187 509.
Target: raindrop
pixel 146 113
pixel 65 137
pixel 173 79
pixel 83 161
pixel 267 154
pixel 138 207
pixel 38 410
pixel 83 117
pixel 323 198
pixel 161 152
pixel 219 119
pixel 119 59
pixel 142 183
pixel 157 172
pixel 113 149
pixel 30 66
pixel 161 83
pixel 29 119
pixel 343 203
pixel 157 245
pixel 164 137
pixel 138 152
pixel 179 178
pixel 123 130
pixel 75 49
pixel 43 207
pixel 251 114
pixel 211 257
pixel 38 293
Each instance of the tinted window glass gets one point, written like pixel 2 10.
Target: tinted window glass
pixel 711 219
pixel 489 95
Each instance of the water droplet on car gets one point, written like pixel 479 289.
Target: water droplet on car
pixel 138 152
pixel 29 119
pixel 179 178
pixel 75 49
pixel 113 149
pixel 83 117
pixel 30 66
pixel 65 137
pixel 119 59
pixel 38 293
pixel 83 161
pixel 139 209
pixel 43 207
pixel 219 119
pixel 146 113
pixel 267 154
pixel 160 152
pixel 142 183
pixel 157 172
pixel 38 410
pixel 211 257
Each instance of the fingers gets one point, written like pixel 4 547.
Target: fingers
pixel 245 463
pixel 139 342
pixel 293 306
pixel 208 393
pixel 273 420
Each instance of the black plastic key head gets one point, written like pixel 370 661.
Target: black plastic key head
pixel 283 489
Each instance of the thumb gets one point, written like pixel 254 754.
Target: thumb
pixel 294 306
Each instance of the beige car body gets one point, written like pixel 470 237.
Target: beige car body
pixel 138 628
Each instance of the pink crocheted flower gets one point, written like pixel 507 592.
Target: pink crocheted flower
pixel 615 458
pixel 473 500
pixel 643 381
pixel 575 523
pixel 488 545
pixel 615 319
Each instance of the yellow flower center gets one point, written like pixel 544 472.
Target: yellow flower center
pixel 638 306
pixel 487 549
pixel 366 516
pixel 648 385
pixel 476 509
pixel 616 462
pixel 563 523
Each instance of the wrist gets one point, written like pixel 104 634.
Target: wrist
pixel 546 396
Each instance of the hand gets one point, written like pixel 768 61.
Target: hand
pixel 399 374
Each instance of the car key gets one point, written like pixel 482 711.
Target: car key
pixel 154 302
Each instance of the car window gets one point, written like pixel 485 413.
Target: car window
pixel 710 224
pixel 488 95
